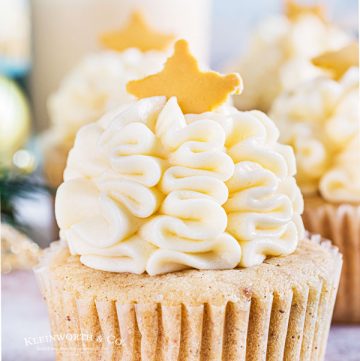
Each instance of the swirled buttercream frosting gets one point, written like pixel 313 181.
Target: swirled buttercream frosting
pixel 341 183
pixel 320 119
pixel 279 57
pixel 96 85
pixel 148 188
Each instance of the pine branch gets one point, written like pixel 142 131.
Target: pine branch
pixel 15 186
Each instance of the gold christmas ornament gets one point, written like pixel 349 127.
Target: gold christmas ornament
pixel 14 120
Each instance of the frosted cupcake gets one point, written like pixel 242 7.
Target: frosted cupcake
pixel 98 84
pixel 320 119
pixel 280 51
pixel 181 233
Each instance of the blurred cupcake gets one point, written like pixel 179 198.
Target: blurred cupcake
pixel 280 50
pixel 181 232
pixel 320 119
pixel 97 84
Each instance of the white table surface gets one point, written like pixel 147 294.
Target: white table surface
pixel 24 315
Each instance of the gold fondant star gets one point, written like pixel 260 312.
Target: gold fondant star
pixel 339 61
pixel 196 91
pixel 293 10
pixel 136 34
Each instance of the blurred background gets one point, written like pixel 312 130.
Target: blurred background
pixel 42 40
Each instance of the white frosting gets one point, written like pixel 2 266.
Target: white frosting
pixel 97 84
pixel 264 205
pixel 341 183
pixel 190 229
pixel 320 119
pixel 279 54
pixel 148 188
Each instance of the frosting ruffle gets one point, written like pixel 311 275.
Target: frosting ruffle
pixel 148 188
pixel 95 86
pixel 279 57
pixel 320 119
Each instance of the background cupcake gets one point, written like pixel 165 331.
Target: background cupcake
pixel 162 202
pixel 280 51
pixel 98 84
pixel 320 119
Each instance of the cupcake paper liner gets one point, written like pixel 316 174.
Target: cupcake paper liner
pixel 288 322
pixel 340 224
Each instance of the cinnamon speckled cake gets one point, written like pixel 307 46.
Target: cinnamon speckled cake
pixel 279 310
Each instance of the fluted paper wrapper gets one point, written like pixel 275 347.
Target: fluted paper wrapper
pixel 340 223
pixel 288 323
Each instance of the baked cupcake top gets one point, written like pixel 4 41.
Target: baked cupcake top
pixel 98 82
pixel 279 53
pixel 320 119
pixel 180 180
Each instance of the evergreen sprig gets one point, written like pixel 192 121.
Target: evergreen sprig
pixel 15 186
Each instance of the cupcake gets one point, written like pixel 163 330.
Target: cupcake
pixel 98 84
pixel 181 233
pixel 320 120
pixel 279 53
